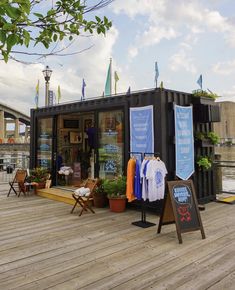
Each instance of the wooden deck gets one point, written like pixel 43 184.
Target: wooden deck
pixel 43 246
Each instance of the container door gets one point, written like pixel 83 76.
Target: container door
pixel 110 144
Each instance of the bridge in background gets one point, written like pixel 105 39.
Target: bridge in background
pixel 14 141
pixel 14 126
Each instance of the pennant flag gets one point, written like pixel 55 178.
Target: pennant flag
pixel 156 72
pixel 199 81
pixel 128 91
pixel 116 78
pixel 83 89
pixel 161 85
pixel 108 83
pixel 58 94
pixel 37 95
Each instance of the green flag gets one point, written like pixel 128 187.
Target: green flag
pixel 108 84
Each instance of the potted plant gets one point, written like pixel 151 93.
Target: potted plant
pixel 116 192
pixel 100 197
pixel 206 139
pixel 39 176
pixel 214 138
pixel 201 93
pixel 204 162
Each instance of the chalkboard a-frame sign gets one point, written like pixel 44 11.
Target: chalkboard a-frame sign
pixel 181 207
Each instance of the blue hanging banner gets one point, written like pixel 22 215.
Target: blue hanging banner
pixel 184 143
pixel 141 129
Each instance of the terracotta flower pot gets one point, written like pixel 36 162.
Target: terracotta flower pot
pixel 100 200
pixel 41 185
pixel 117 204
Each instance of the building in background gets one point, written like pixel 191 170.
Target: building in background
pixel 226 127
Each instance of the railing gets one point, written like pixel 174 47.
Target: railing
pixel 225 176
pixel 9 163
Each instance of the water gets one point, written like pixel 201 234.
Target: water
pixel 228 174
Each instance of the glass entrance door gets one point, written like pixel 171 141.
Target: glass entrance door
pixel 44 143
pixel 110 144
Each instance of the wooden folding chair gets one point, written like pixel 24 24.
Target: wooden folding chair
pixel 18 180
pixel 85 200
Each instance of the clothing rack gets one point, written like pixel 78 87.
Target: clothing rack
pixel 143 223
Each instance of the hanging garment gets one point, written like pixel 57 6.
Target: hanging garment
pixel 156 172
pixel 130 179
pixel 137 184
pixel 144 181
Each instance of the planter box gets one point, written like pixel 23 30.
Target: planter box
pixel 204 143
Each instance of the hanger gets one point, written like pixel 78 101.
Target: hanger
pixel 157 156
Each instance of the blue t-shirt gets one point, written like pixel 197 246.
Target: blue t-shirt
pixel 137 185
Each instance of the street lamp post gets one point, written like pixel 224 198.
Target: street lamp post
pixel 47 75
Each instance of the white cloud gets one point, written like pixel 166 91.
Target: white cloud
pixel 18 84
pixel 156 33
pixel 18 81
pixel 224 68
pixel 137 7
pixel 167 19
pixel 133 52
pixel 181 60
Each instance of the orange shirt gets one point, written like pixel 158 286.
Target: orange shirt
pixel 130 179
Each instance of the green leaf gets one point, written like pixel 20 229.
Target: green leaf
pixel 55 37
pixel 39 15
pixel 97 19
pixel 26 6
pixel 5 56
pixel 8 26
pixel 2 36
pixel 26 35
pixel 106 21
pixel 13 12
pixel 12 39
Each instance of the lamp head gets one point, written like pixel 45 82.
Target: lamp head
pixel 47 73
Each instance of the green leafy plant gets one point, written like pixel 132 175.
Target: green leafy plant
pixel 115 188
pixel 99 190
pixel 211 136
pixel 204 162
pixel 39 174
pixel 201 93
pixel 200 136
pixel 214 138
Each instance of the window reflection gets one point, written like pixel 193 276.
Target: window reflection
pixel 110 144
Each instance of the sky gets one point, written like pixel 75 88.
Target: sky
pixel 186 38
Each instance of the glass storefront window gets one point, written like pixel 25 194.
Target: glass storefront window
pixel 110 139
pixel 44 143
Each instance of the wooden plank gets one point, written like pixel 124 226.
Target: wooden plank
pixel 43 246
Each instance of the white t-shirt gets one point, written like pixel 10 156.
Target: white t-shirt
pixel 156 172
pixel 143 179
